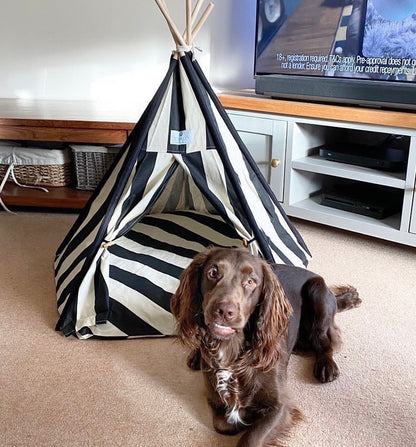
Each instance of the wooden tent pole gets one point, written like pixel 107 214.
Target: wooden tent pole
pixel 175 33
pixel 196 10
pixel 202 20
pixel 193 18
pixel 163 8
pixel 189 22
pixel 163 3
pixel 190 32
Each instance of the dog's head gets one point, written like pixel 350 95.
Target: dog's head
pixel 227 292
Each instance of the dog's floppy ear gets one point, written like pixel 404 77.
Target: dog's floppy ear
pixel 186 303
pixel 271 321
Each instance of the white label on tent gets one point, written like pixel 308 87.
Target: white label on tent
pixel 178 137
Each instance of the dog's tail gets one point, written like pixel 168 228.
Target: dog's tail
pixel 347 297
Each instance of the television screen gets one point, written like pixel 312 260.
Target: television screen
pixel 366 49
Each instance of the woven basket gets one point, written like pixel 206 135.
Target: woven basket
pixel 91 164
pixel 36 167
pixel 48 175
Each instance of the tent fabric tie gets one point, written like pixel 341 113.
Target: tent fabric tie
pixel 181 49
pixel 246 243
pixel 109 243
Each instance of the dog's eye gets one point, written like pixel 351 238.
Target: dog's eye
pixel 212 273
pixel 250 282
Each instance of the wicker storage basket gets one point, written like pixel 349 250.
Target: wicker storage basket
pixel 91 164
pixel 36 166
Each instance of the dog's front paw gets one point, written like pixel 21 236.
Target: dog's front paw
pixel 326 370
pixel 222 426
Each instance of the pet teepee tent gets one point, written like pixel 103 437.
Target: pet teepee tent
pixel 182 181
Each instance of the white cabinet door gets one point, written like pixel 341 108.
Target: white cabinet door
pixel 412 228
pixel 265 138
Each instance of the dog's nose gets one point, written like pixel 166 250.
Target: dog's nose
pixel 227 311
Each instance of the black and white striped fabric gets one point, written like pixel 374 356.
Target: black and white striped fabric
pixel 183 181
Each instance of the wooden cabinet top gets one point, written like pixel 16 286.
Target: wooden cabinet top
pixel 69 114
pixel 363 115
pixel 123 116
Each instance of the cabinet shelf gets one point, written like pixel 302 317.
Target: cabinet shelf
pixel 344 219
pixel 318 165
pixel 56 197
pixel 61 121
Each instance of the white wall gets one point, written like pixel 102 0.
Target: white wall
pixel 114 49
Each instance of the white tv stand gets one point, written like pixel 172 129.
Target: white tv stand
pixel 282 136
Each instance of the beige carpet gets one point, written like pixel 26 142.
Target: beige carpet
pixel 57 391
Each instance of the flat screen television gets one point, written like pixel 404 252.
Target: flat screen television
pixel 343 51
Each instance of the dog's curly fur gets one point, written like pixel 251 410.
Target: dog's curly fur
pixel 241 319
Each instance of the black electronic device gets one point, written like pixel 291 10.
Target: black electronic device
pixel 370 200
pixel 382 157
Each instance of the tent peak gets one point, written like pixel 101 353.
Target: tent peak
pixel 185 41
